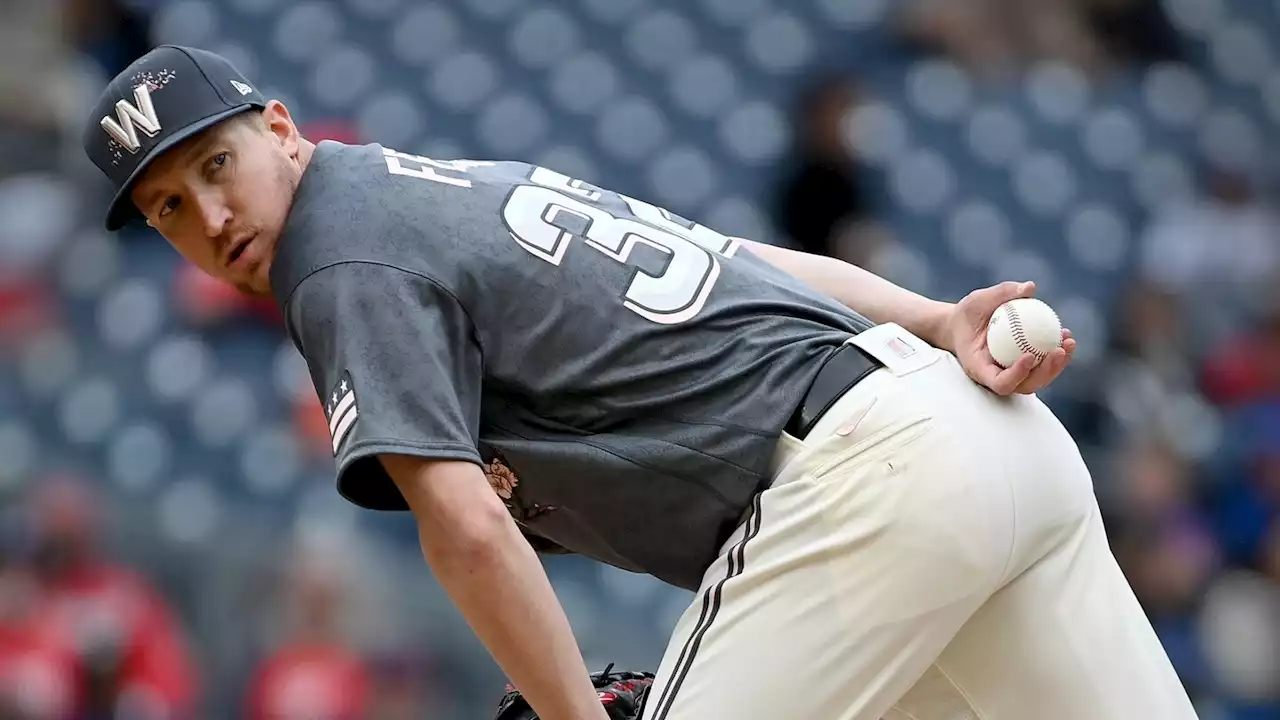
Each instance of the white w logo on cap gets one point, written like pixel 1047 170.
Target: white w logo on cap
pixel 132 119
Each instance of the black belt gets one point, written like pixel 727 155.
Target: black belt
pixel 844 369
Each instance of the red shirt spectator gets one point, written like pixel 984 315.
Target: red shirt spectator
pixel 313 674
pixel 1246 369
pixel 310 682
pixel 206 302
pixel 39 675
pixel 124 632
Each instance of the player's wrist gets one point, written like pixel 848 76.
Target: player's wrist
pixel 934 327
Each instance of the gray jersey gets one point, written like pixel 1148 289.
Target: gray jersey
pixel 621 374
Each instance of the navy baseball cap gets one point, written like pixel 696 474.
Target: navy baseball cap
pixel 163 98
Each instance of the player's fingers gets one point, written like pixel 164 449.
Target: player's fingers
pixel 1046 372
pixel 1007 380
pixel 1057 361
pixel 980 368
pixel 1066 334
pixel 1069 345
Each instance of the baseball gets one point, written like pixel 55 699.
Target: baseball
pixel 1024 325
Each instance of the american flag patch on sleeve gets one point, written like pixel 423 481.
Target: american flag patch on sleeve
pixel 341 411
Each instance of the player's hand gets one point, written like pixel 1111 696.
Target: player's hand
pixel 966 331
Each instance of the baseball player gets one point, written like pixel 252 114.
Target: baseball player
pixel 878 521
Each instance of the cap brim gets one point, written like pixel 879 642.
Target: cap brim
pixel 122 211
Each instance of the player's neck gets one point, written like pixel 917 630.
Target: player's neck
pixel 306 149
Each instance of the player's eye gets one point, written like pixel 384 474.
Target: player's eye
pixel 170 204
pixel 216 164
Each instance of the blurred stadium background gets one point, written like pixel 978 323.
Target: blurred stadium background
pixel 170 542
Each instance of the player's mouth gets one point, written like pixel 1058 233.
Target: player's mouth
pixel 241 253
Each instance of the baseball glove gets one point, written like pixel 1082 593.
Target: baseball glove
pixel 622 694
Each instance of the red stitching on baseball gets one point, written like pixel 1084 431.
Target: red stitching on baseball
pixel 1020 335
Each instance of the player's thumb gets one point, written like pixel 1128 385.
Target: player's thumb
pixel 993 297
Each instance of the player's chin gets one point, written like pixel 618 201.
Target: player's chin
pixel 256 283
pixel 255 292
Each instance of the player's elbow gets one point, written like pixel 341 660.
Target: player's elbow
pixel 469 538
pixel 460 519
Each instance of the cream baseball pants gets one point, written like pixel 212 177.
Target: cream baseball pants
pixel 930 551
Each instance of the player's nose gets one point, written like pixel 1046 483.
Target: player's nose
pixel 215 216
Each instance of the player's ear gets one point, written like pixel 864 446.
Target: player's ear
pixel 281 126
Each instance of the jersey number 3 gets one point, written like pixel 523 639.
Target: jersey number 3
pixel 546 216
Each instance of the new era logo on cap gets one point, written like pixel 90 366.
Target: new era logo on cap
pixel 168 95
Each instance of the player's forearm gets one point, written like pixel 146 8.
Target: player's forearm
pixel 495 579
pixel 866 293
pixel 503 591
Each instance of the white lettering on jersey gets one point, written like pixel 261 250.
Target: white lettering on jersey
pixel 428 168
pixel 545 216
pixel 541 219
pixel 551 179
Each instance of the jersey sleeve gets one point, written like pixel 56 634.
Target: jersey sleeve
pixel 394 359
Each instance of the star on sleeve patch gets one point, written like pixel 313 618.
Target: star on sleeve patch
pixel 341 410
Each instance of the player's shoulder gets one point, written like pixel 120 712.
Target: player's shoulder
pixel 374 205
pixel 374 167
pixel 330 224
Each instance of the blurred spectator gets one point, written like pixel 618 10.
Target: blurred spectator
pixel 1162 537
pixel 39 674
pixel 821 204
pixel 39 215
pixel 1149 332
pixel 113 33
pixel 1158 487
pixel 996 39
pixel 1246 367
pixel 313 674
pixel 976 34
pixel 1166 549
pixel 205 302
pixel 26 307
pixel 1270 555
pixel 1149 383
pixel 1134 32
pixel 1248 499
pixel 1056 30
pixel 337 130
pixel 1240 624
pixel 401 689
pixel 124 633
pixel 1229 238
pixel 36 89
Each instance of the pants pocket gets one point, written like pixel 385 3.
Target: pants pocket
pixel 875 445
